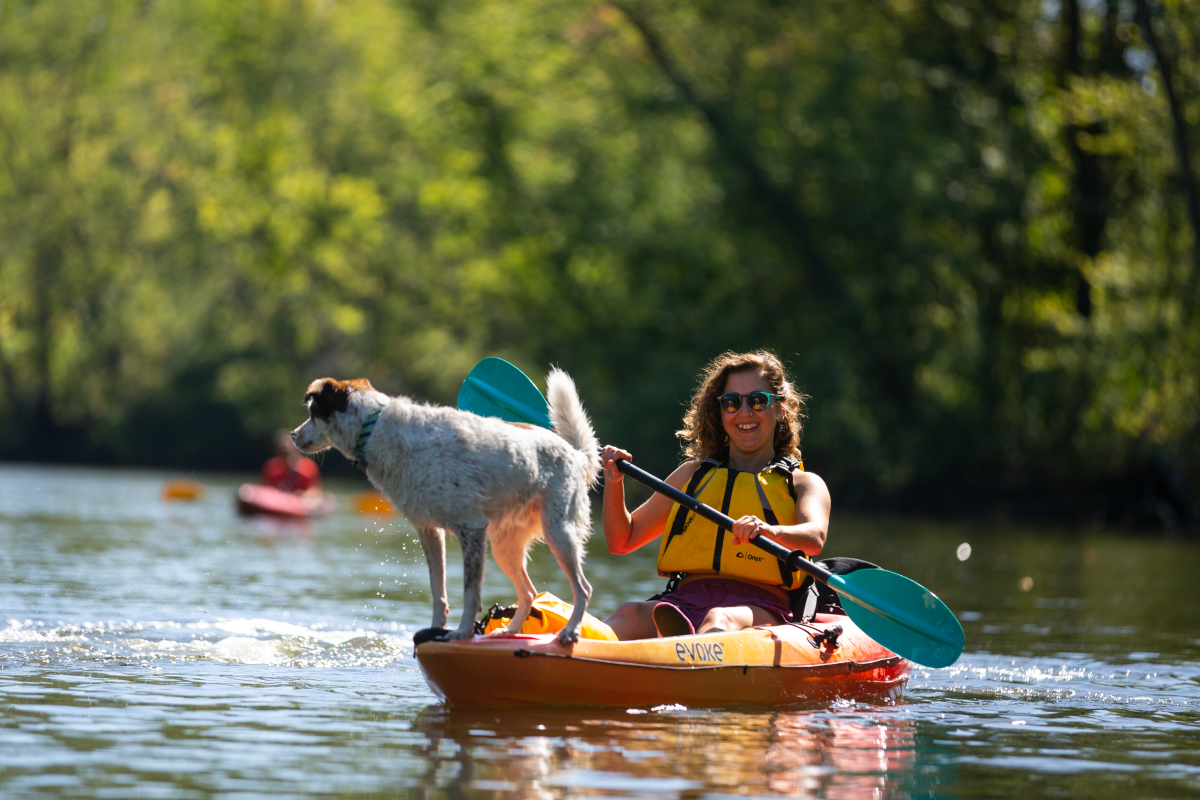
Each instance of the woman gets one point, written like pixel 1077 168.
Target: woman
pixel 742 434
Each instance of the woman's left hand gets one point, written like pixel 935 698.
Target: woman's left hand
pixel 748 527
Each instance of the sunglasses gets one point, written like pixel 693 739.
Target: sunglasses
pixel 759 401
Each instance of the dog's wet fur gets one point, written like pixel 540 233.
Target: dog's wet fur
pixel 478 478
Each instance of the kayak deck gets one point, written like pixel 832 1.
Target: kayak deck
pixel 765 666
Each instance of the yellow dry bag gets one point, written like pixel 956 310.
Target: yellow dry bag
pixel 548 615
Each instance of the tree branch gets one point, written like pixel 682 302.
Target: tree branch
pixel 1187 176
pixel 894 374
pixel 782 206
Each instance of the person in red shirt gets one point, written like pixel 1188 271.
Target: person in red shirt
pixel 290 471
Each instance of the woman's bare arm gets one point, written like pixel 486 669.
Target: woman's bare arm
pixel 625 532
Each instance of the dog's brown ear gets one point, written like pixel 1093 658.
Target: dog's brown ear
pixel 362 384
pixel 327 395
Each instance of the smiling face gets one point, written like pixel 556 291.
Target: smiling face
pixel 750 432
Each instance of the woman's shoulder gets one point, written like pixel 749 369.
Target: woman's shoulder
pixel 805 481
pixel 683 473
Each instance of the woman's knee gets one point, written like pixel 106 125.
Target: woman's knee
pixel 726 619
pixel 628 611
pixel 632 620
pixel 716 619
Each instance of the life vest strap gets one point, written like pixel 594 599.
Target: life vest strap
pixel 785 466
pixel 725 501
pixel 694 488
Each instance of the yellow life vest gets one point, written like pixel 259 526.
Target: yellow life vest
pixel 693 545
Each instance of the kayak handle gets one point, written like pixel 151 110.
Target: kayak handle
pixel 794 559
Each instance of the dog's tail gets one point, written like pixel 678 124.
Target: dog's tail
pixel 570 421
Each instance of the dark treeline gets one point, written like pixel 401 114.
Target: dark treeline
pixel 969 226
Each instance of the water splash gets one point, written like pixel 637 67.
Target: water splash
pixel 226 640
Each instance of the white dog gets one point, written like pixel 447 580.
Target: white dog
pixel 477 477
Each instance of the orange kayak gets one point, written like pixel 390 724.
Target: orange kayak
pixel 767 666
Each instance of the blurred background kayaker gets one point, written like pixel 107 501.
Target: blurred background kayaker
pixel 742 436
pixel 291 485
pixel 290 470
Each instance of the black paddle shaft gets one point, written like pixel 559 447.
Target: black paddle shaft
pixel 794 559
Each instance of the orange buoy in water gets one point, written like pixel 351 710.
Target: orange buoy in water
pixel 182 489
pixel 373 503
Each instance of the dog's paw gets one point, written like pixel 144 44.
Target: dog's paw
pixel 428 635
pixel 568 636
pixel 458 633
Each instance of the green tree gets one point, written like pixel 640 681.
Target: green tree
pixel 970 225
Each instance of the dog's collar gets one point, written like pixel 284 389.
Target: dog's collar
pixel 364 435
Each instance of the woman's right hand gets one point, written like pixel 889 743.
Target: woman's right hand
pixel 608 458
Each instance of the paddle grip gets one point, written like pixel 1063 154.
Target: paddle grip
pixel 794 559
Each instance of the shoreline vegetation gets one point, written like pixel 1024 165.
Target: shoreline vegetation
pixel 969 228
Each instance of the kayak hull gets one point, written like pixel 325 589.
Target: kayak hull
pixel 768 666
pixel 255 499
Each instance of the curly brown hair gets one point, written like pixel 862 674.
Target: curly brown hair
pixel 703 434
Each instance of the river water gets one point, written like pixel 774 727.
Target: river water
pixel 171 650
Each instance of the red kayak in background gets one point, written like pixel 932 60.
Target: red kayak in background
pixel 256 499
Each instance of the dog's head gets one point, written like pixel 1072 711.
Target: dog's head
pixel 329 401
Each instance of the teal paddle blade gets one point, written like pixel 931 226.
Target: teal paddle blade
pixel 495 388
pixel 902 615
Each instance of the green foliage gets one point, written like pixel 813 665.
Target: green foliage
pixel 964 223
